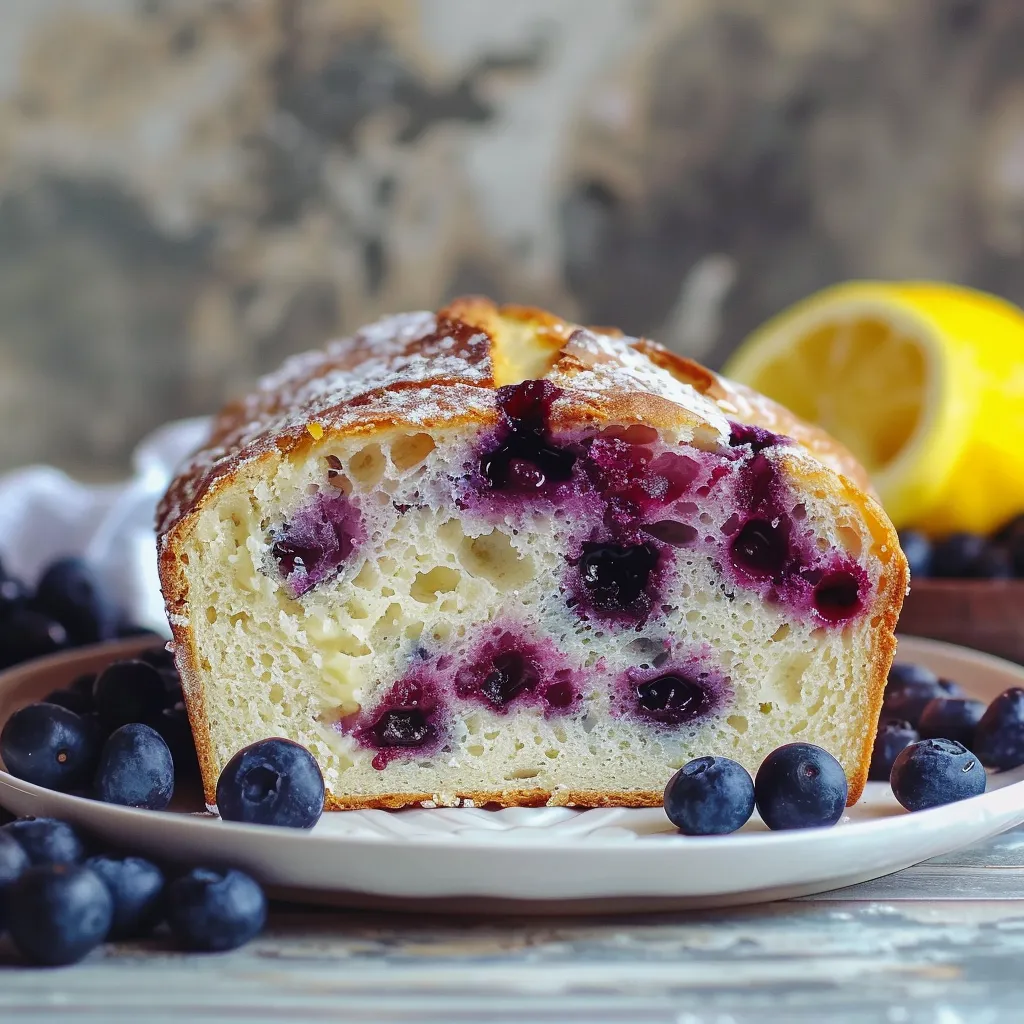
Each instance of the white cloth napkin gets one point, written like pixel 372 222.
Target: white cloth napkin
pixel 45 514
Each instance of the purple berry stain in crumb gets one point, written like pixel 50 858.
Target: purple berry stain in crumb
pixel 508 670
pixel 678 692
pixel 316 541
pixel 525 460
pixel 769 554
pixel 743 435
pixel 406 721
pixel 616 581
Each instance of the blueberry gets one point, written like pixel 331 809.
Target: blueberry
pixel 908 672
pixel 906 701
pixel 46 841
pixel 28 634
pixel 892 738
pixel 966 556
pixel 1011 536
pixel 710 796
pixel 14 863
pixel 14 595
pixel 71 592
pixel 129 691
pixel 213 911
pixel 159 657
pixel 136 887
pixel 951 718
pixel 800 786
pixel 616 577
pixel 402 727
pixel 933 772
pixel 173 726
pixel 672 699
pixel 49 746
pixel 59 914
pixel 83 684
pixel 918 549
pixel 999 736
pixel 135 769
pixel 73 700
pixel 272 782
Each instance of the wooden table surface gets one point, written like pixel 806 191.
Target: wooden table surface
pixel 942 942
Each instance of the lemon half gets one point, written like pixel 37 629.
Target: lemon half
pixel 923 382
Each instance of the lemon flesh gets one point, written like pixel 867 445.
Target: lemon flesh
pixel 924 383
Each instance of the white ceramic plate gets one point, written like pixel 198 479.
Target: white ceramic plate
pixel 543 859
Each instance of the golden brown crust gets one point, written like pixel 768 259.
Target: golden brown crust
pixel 429 370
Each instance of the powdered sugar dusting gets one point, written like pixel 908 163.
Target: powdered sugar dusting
pixel 422 369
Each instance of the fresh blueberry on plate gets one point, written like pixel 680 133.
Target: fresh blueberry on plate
pixel 28 634
pixel 49 746
pixel 73 700
pixel 173 726
pixel 136 887
pixel 71 592
pixel 951 718
pixel 46 841
pixel 710 796
pixel 800 785
pixel 910 672
pixel 58 914
pixel 129 691
pixel 136 769
pixel 918 550
pixel 934 772
pixel 999 736
pixel 892 738
pixel 14 863
pixel 907 700
pixel 213 911
pixel 272 782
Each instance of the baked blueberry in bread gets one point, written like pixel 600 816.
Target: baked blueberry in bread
pixel 490 557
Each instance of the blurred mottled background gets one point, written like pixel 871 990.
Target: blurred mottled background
pixel 192 190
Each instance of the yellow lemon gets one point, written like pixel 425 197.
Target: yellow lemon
pixel 922 381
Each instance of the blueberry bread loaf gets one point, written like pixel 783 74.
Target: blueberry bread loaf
pixel 490 557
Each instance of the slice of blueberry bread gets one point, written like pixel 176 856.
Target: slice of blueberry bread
pixel 487 556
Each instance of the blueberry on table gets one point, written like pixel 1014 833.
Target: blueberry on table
pixel 892 738
pixel 173 725
pixel 934 772
pixel 71 592
pixel 136 887
pixel 14 863
pixel 918 550
pixel 28 634
pixel 800 785
pixel 212 911
pixel 46 841
pixel 272 782
pixel 59 914
pixel 129 691
pixel 710 796
pixel 135 769
pixel 50 746
pixel 999 736
pixel 951 718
